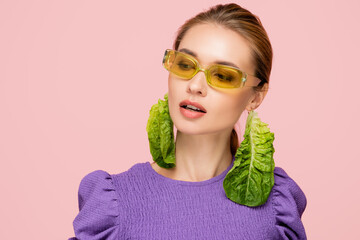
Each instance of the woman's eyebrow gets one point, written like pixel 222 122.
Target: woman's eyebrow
pixel 226 63
pixel 185 50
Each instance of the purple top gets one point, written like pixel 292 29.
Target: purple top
pixel 142 204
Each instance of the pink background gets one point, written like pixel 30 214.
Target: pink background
pixel 77 80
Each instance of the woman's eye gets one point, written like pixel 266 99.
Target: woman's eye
pixel 185 66
pixel 223 77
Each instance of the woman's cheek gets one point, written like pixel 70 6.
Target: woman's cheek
pixel 173 101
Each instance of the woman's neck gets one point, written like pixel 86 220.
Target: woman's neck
pixel 201 157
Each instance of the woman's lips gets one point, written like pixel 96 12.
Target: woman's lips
pixel 197 105
pixel 192 109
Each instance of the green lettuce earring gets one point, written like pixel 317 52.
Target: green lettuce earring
pixel 161 135
pixel 249 181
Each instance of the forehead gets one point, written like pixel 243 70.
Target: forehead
pixel 213 43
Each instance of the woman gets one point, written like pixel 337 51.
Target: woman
pixel 219 67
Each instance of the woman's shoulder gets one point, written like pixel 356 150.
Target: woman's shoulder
pixel 286 186
pixel 98 207
pixel 100 181
pixel 100 200
pixel 136 173
pixel 289 203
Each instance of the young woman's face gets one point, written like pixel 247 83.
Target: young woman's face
pixel 211 44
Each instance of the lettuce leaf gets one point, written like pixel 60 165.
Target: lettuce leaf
pixel 160 134
pixel 250 180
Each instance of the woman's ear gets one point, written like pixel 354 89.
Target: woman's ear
pixel 257 98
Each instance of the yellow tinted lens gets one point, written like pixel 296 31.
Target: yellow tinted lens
pixel 180 64
pixel 224 77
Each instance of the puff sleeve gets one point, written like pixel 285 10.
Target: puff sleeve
pixel 289 203
pixel 98 216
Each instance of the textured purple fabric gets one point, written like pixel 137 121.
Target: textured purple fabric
pixel 142 204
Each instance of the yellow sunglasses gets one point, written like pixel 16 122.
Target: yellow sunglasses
pixel 186 66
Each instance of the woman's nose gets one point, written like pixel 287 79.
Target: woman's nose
pixel 198 84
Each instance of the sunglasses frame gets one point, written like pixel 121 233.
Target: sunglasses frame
pixel 243 74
